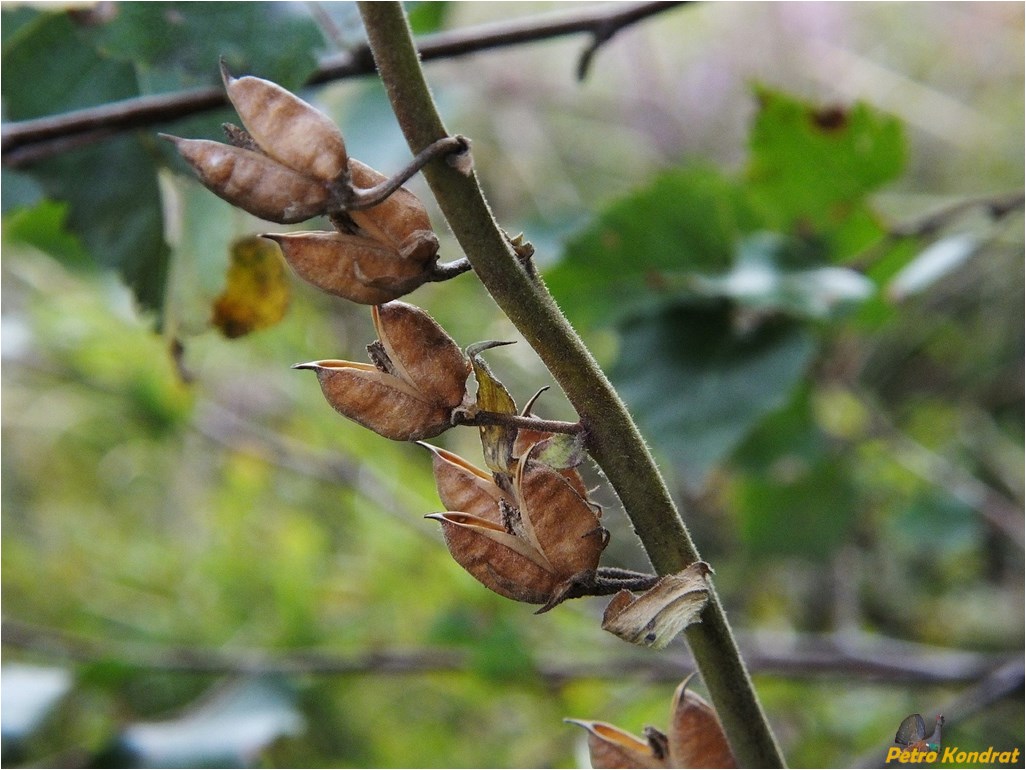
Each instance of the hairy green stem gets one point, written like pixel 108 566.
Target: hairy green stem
pixel 614 441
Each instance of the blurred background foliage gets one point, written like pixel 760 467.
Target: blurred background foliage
pixel 738 207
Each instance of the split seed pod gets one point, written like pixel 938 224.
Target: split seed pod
pixel 418 377
pixel 400 221
pixel 354 267
pixel 695 739
pixel 465 487
pixel 538 549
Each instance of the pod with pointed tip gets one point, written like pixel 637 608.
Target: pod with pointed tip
pixel 378 400
pixel 350 266
pixel 252 181
pixel 288 129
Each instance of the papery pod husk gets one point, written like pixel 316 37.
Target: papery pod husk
pixel 339 264
pixel 252 181
pixel 695 737
pixel 400 221
pixel 423 354
pixel 656 617
pixel 286 128
pixel 464 487
pixel 558 521
pixel 378 401
pixel 611 747
pixel 497 441
pixel 498 560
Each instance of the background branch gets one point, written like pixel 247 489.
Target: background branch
pixel 28 141
pixel 864 657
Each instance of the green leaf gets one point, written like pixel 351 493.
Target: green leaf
pixel 111 188
pixel 43 226
pixel 687 219
pixel 811 168
pixel 181 43
pixel 425 17
pixel 697 385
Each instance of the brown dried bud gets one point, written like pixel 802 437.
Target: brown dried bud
pixel 538 549
pixel 695 739
pixel 350 266
pixel 252 181
pixel 288 129
pixel 400 221
pixel 419 377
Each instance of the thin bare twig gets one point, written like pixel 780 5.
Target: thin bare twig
pixel 28 141
pixel 869 658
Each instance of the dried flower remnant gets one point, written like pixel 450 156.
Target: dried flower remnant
pixel 416 381
pixel 657 616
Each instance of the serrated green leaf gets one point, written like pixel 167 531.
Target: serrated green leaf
pixel 811 168
pixel 687 219
pixel 697 385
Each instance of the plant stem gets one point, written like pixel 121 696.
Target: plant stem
pixel 614 441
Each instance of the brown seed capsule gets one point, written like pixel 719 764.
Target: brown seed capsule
pixel 537 549
pixel 378 400
pixel 503 562
pixel 422 353
pixel 350 266
pixel 464 487
pixel 611 747
pixel 288 129
pixel 419 376
pixel 252 181
pixel 400 221
pixel 695 739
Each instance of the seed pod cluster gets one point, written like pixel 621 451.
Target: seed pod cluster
pixel 531 537
pixel 417 378
pixel 290 164
pixel 695 739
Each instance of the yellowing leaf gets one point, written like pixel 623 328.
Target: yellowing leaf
pixel 496 440
pixel 256 293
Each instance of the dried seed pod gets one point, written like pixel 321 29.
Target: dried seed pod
pixel 288 129
pixel 696 738
pixel 252 181
pixel 400 221
pixel 501 561
pixel 464 487
pixel 350 266
pixel 560 523
pixel 422 353
pixel 380 401
pixel 538 551
pixel 611 747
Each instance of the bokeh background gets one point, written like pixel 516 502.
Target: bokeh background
pixel 203 565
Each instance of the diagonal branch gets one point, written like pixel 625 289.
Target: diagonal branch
pixel 28 141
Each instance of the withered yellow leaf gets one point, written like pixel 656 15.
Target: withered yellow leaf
pixel 256 293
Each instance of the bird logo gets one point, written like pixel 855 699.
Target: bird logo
pixel 912 733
